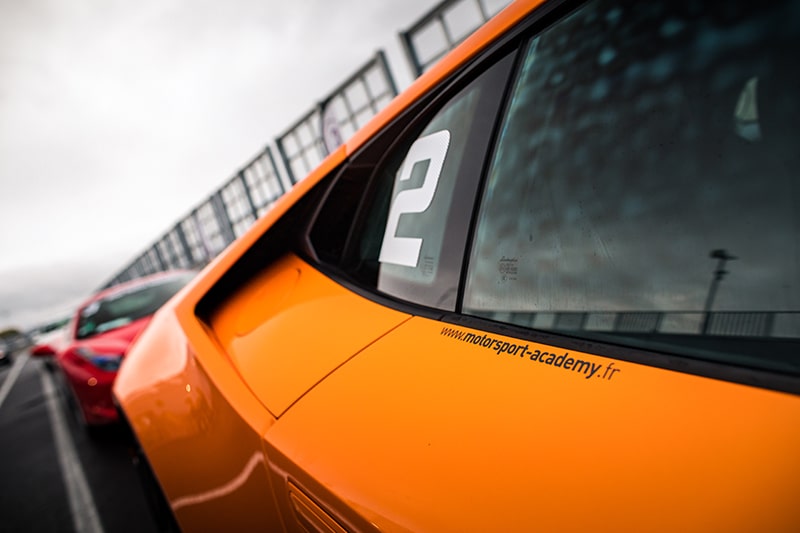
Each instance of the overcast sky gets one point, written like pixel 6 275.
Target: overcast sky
pixel 118 117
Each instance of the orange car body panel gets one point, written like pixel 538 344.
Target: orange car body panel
pixel 371 431
pixel 691 454
pixel 283 331
pixel 183 416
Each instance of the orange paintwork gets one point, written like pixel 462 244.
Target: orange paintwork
pixel 194 410
pixel 425 430
pixel 301 404
pixel 284 331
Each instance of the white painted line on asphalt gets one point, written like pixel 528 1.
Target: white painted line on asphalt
pixel 85 517
pixel 13 374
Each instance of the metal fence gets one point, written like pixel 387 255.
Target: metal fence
pixel 232 209
pixel 338 116
pixel 215 223
pixel 444 27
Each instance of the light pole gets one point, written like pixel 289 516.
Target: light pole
pixel 722 256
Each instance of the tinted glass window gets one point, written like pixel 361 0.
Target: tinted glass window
pixel 129 305
pixel 409 234
pixel 646 187
pixel 420 198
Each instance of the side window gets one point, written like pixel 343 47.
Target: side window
pixel 645 186
pixel 407 230
pixel 411 255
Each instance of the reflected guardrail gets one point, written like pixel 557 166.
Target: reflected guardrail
pixel 777 324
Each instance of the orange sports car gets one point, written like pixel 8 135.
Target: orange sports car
pixel 554 285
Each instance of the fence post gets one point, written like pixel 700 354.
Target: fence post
pixel 223 220
pixel 162 265
pixel 247 195
pixel 187 252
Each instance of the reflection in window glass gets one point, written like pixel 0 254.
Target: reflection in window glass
pixel 410 243
pixel 646 182
pixel 422 216
pixel 126 306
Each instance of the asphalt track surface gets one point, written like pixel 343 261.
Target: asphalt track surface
pixel 54 476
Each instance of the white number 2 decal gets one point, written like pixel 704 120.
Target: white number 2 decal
pixel 405 250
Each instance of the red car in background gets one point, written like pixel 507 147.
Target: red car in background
pixel 98 337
